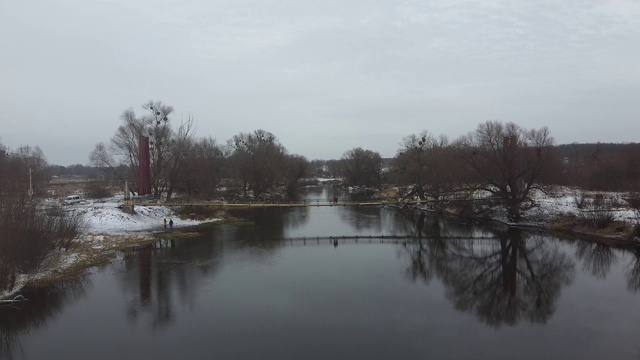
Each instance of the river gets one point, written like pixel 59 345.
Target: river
pixel 340 283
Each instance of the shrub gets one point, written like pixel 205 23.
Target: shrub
pixel 97 190
pixel 634 200
pixel 579 199
pixel 636 228
pixel 28 235
pixel 599 218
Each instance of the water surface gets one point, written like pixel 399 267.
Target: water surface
pixel 332 282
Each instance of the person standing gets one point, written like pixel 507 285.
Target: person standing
pixel 165 223
pixel 170 223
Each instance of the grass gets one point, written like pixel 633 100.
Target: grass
pixel 572 223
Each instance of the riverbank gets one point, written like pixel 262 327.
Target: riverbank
pixel 105 230
pixel 605 217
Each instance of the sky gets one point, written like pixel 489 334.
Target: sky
pixel 323 76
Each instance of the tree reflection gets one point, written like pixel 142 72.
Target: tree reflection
pixel 22 318
pixel 271 222
pixel 166 273
pixel 430 253
pixel 170 272
pixel 366 218
pixel 501 281
pixel 509 279
pixel 633 274
pixel 295 217
pixel 597 258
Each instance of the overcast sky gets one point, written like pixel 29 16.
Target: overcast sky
pixel 323 76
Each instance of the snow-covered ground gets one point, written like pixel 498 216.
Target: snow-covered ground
pixel 107 218
pixel 562 201
pixel 105 227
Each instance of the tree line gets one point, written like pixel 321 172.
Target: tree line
pixel 247 164
pixel 503 159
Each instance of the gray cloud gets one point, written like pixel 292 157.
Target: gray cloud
pixel 324 76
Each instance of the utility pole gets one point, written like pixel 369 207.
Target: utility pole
pixel 30 192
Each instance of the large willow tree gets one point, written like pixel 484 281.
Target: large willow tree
pixel 508 161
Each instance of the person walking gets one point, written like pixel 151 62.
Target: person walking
pixel 165 223
pixel 170 223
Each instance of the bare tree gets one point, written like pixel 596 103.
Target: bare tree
pixel 120 155
pixel 425 163
pixel 257 158
pixel 179 148
pixel 294 167
pixel 168 147
pixel 507 161
pixel 334 168
pixel 204 169
pixel 362 167
pixel 27 233
pixel 160 135
pixel 36 164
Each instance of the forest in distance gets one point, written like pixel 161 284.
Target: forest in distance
pixel 501 158
pixel 618 164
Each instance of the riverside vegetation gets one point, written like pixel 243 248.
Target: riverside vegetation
pixel 502 160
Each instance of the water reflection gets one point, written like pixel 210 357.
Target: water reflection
pixel 429 253
pixel 158 276
pixel 243 283
pixel 21 319
pixel 266 230
pixel 502 281
pixel 633 272
pixel 423 224
pixel 361 219
pixel 597 258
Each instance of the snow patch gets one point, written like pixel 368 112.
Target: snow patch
pixel 108 218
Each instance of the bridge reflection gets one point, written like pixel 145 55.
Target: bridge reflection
pixel 368 239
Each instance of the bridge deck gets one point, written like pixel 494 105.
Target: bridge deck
pixel 312 203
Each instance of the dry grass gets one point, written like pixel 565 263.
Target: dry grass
pixel 564 223
pixel 389 193
pixel 93 250
pixel 96 250
pixel 572 223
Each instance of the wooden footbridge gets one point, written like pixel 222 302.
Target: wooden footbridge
pixel 303 203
